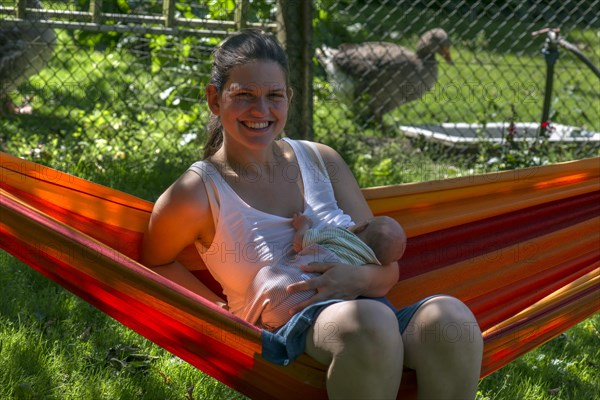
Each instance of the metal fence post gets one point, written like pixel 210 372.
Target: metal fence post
pixel 551 54
pixel 20 9
pixel 169 13
pixel 96 11
pixel 295 33
pixel 241 14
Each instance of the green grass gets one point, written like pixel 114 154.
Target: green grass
pixel 564 368
pixel 55 346
pixel 497 63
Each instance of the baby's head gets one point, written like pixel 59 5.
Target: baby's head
pixel 384 236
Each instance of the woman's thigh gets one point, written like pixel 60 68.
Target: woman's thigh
pixel 438 322
pixel 363 323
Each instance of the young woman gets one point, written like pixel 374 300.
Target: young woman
pixel 237 206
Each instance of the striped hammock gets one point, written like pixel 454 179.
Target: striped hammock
pixel 520 248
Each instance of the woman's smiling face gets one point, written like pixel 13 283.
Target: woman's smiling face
pixel 253 104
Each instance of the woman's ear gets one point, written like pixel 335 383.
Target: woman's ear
pixel 290 94
pixel 212 97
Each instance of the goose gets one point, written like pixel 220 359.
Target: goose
pixel 378 77
pixel 24 51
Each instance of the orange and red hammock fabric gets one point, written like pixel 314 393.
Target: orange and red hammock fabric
pixel 521 248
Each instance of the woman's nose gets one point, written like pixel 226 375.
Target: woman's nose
pixel 260 106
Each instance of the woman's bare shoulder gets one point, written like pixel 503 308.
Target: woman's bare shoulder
pixel 181 215
pixel 187 194
pixel 336 165
pixel 330 157
pixel 327 152
pixel 346 189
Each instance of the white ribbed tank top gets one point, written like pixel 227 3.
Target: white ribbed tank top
pixel 247 240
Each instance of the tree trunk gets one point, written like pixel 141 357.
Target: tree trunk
pixel 294 18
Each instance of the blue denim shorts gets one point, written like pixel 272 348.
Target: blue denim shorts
pixel 286 343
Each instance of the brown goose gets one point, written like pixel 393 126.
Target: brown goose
pixel 24 51
pixel 381 76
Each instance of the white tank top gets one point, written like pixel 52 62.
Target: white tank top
pixel 247 239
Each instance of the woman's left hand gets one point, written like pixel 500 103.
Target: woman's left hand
pixel 336 281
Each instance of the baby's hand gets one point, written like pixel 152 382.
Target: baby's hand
pixel 297 242
pixel 299 221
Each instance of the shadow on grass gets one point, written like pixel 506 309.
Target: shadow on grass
pixel 52 340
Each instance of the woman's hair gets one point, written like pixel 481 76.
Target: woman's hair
pixel 241 48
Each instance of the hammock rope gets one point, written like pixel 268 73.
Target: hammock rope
pixel 520 248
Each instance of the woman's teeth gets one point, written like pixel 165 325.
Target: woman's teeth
pixel 256 125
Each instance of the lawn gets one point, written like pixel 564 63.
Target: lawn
pixel 54 345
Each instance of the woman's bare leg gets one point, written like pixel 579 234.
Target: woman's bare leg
pixel 443 344
pixel 361 343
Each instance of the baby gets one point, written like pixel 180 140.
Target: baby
pixel 379 240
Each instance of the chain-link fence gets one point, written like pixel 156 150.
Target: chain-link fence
pixel 128 76
pixel 387 63
pixel 101 79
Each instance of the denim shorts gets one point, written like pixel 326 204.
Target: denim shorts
pixel 286 343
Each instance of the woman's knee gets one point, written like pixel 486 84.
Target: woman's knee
pixel 362 347
pixel 445 319
pixel 445 329
pixel 373 322
pixel 452 309
pixel 361 326
pixel 443 344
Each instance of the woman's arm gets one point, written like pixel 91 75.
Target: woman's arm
pixel 180 274
pixel 347 192
pixel 341 280
pixel 180 216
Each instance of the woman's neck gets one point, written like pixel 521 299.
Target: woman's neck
pixel 242 161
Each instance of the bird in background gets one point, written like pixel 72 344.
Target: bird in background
pixel 375 78
pixel 24 51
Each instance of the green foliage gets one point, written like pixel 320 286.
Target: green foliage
pixel 100 39
pixel 331 26
pixel 55 346
pixel 153 121
pixel 564 368
pixel 221 9
pixel 521 149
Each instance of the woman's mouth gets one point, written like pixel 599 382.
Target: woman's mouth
pixel 256 125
